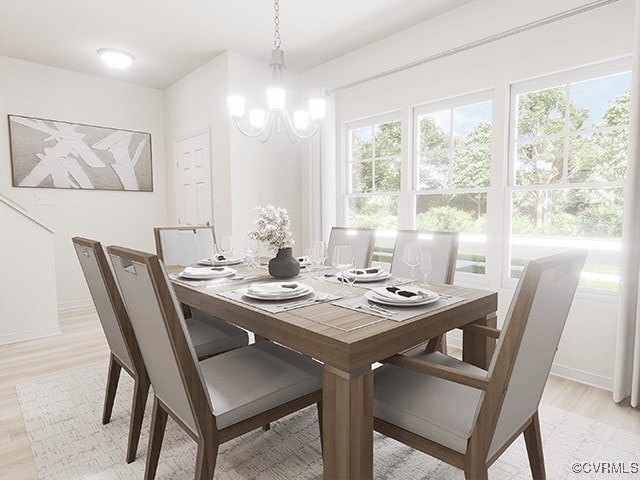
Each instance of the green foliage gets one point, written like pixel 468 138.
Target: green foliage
pixel 377 172
pixel 445 219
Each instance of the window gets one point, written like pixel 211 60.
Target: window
pixel 452 163
pixel 568 155
pixel 373 172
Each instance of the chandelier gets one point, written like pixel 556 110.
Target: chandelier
pixel 303 125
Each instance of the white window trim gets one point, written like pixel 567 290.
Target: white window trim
pixel 344 180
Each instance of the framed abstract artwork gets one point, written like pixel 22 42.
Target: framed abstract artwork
pixel 56 154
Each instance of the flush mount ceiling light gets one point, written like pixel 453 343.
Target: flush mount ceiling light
pixel 304 123
pixel 116 58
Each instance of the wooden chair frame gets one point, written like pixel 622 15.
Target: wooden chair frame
pixel 474 462
pixel 139 372
pixel 207 435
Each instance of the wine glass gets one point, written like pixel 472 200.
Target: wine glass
pixel 411 256
pixel 226 246
pixel 425 266
pixel 318 254
pixel 251 252
pixel 351 279
pixel 342 260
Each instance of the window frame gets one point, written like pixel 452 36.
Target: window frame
pixel 345 191
pixel 451 103
pixel 558 79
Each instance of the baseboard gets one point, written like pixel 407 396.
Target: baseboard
pixel 455 341
pixel 70 305
pixel 30 335
pixel 581 376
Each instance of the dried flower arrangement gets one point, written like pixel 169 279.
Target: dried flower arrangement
pixel 274 228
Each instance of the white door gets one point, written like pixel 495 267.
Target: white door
pixel 193 180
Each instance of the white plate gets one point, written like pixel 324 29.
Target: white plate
pixel 219 263
pixel 374 297
pixel 193 273
pixel 285 294
pixel 369 278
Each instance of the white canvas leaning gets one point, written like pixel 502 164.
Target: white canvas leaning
pixel 56 154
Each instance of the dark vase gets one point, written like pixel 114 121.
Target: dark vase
pixel 284 265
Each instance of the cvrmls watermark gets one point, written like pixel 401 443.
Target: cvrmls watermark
pixel 606 467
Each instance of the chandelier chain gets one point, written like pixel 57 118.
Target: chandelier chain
pixel 276 21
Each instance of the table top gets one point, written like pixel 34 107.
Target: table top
pixel 343 338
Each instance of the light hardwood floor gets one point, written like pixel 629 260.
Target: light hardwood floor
pixel 82 343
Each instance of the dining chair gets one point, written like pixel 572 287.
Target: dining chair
pixel 124 351
pixel 361 241
pixel 184 245
pixel 208 338
pixel 466 416
pixel 214 400
pixel 443 247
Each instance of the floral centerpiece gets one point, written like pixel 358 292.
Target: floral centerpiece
pixel 274 230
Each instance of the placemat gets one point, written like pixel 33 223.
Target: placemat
pixel 398 314
pixel 278 306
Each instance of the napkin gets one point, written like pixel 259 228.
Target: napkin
pixel 365 271
pixel 404 294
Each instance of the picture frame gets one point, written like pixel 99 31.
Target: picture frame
pixel 58 154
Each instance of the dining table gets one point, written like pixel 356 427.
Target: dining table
pixel 348 341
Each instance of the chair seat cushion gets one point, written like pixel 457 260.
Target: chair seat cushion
pixel 211 335
pixel 247 381
pixel 436 409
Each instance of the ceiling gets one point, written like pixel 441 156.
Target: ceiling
pixel 171 38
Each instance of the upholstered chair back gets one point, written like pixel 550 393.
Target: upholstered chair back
pixel 105 294
pixel 360 240
pixel 528 343
pixel 184 245
pixel 159 326
pixel 443 247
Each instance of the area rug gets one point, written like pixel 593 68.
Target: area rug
pixel 62 417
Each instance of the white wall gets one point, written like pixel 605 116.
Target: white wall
pixel 28 304
pixel 246 173
pixel 125 218
pixel 586 350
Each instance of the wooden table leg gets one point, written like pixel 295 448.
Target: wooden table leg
pixel 478 349
pixel 347 404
